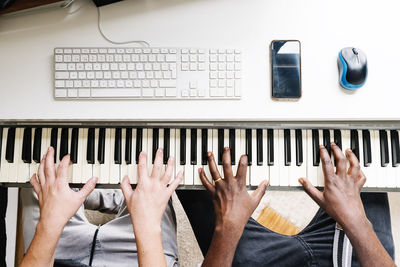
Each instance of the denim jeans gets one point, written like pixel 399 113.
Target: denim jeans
pixel 3 238
pixel 259 246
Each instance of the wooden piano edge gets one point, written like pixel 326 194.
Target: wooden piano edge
pixel 200 187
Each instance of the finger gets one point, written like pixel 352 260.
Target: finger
pixel 142 169
pixel 361 180
pixel 327 166
pixel 169 170
pixel 226 163
pixel 242 170
pixel 35 184
pixel 205 181
pixel 62 170
pixel 260 191
pixel 175 183
pixel 213 166
pixel 341 161
pixel 354 169
pixel 42 177
pixel 87 188
pixel 126 188
pixel 49 169
pixel 158 164
pixel 313 192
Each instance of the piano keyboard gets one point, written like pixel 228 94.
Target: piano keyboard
pixel 280 155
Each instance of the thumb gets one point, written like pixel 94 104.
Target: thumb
pixel 260 191
pixel 313 192
pixel 126 187
pixel 88 187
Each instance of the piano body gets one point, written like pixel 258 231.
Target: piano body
pixel 279 152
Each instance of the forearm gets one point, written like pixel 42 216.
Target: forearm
pixel 366 244
pixel 223 247
pixel 149 245
pixel 42 249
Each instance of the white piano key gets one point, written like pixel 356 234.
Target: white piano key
pixel 237 151
pixel 206 167
pixel 320 172
pixel 161 145
pixel 178 166
pixel 312 171
pixel 149 150
pixel 4 165
pixel 123 168
pixel 390 170
pixel 132 168
pixel 376 168
pixel 34 165
pixel 297 172
pixel 104 175
pixel 13 169
pixel 86 168
pixel 284 170
pixel 77 167
pixel 274 174
pixel 243 152
pixel 23 168
pixel 96 166
pixel 172 147
pixel 189 180
pixel 114 167
pixel 215 149
pixel 361 155
pixel 70 166
pixel 258 173
pixel 371 170
pixel 196 177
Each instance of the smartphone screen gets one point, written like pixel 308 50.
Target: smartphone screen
pixel 286 70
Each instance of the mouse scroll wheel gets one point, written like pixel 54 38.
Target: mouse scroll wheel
pixel 355 51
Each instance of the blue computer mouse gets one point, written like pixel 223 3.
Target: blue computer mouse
pixel 353 70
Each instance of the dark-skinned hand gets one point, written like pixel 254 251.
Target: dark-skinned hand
pixel 232 203
pixel 341 195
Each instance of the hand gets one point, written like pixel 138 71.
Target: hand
pixel 148 201
pixel 341 195
pixel 57 201
pixel 232 203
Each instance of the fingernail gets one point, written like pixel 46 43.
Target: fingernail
pixel 161 149
pixel 209 154
pixel 50 148
pixel 321 146
pixel 226 148
pixel 333 144
pixel 301 180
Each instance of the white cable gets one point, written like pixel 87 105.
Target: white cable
pixel 142 42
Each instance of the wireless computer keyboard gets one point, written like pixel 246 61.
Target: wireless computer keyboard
pixel 147 73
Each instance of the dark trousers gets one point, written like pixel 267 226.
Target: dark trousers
pixel 3 237
pixel 260 246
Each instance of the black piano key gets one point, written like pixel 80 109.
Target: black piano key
pixel 367 151
pixel 139 143
pixel 183 147
pixel 27 145
pixel 394 136
pixel 10 145
pixel 232 145
pixel 74 145
pixel 220 145
pixel 156 134
pixel 260 150
pixel 354 143
pixel 337 138
pixel 64 142
pixel 299 147
pixel 326 136
pixel 90 154
pixel 37 145
pixel 249 147
pixel 315 142
pixel 383 140
pixel 53 142
pixel 102 145
pixel 204 146
pixel 118 146
pixel 287 148
pixel 167 146
pixel 193 146
pixel 128 145
pixel 270 147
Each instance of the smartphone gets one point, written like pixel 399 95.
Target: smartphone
pixel 286 69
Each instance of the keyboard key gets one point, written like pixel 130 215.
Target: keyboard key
pixel 64 143
pixel 367 150
pixel 27 145
pixel 384 148
pixel 355 143
pixel 74 145
pixel 394 135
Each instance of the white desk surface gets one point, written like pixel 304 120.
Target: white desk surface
pixel 323 27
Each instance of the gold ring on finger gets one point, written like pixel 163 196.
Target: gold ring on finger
pixel 218 180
